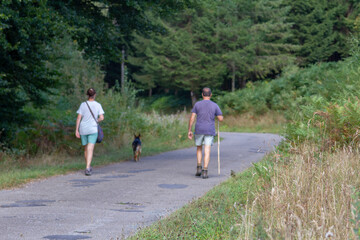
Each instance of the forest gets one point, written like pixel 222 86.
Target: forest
pixel 51 51
pixel 292 65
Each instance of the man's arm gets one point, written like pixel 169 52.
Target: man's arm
pixel 191 122
pixel 78 119
pixel 219 114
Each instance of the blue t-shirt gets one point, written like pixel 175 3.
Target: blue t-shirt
pixel 206 111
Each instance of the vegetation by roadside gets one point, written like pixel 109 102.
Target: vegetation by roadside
pixel 307 194
pixel 167 132
pixel 18 169
pixel 270 122
pixel 46 145
pixel 309 188
pixel 214 216
pixel 294 194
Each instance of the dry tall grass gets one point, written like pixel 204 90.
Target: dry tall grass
pixel 309 196
pixel 268 122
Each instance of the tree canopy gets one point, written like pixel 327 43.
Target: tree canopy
pixel 26 29
pixel 205 46
pixel 180 45
pixel 322 28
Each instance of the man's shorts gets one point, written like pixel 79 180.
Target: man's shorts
pixel 201 139
pixel 91 138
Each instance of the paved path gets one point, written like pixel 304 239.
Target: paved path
pixel 118 199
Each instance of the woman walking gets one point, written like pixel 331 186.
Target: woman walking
pixel 86 126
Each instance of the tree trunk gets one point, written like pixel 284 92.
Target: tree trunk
pixel 233 77
pixel 122 71
pixel 242 83
pixel 193 98
pixel 150 92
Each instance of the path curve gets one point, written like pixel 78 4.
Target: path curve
pixel 120 198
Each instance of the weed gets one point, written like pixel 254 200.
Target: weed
pixel 270 122
pixel 160 133
pixel 309 195
pixel 355 219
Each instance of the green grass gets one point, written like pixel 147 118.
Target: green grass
pixel 15 172
pixel 216 215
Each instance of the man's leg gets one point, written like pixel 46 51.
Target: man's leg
pixel 208 140
pixel 207 156
pixel 204 173
pixel 199 155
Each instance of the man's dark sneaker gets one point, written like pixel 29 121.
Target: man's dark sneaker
pixel 87 172
pixel 204 174
pixel 198 171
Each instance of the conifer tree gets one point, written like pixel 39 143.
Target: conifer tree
pixel 237 38
pixel 144 76
pixel 233 23
pixel 272 37
pixel 254 38
pixel 322 28
pixel 184 57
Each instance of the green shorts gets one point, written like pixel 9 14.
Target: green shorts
pixel 91 138
pixel 201 139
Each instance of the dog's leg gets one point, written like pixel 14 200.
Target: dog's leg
pixel 138 149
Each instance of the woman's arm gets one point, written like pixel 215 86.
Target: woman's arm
pixel 100 118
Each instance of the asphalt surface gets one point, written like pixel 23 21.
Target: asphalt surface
pixel 120 198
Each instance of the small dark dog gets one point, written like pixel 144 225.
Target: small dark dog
pixel 136 145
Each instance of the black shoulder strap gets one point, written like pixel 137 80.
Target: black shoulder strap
pixel 91 112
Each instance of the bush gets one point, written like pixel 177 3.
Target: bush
pixel 254 98
pixel 329 125
pixel 168 103
pixel 51 128
pixel 295 88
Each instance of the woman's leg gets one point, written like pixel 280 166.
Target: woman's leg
pixel 89 154
pixel 85 151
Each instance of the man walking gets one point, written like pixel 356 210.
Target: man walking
pixel 205 112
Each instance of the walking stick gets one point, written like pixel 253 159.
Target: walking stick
pixel 218 147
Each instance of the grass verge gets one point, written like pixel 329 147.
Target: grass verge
pixel 16 171
pixel 308 194
pixel 297 193
pixel 214 216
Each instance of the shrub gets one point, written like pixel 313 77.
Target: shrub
pixel 333 124
pixel 295 88
pixel 168 103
